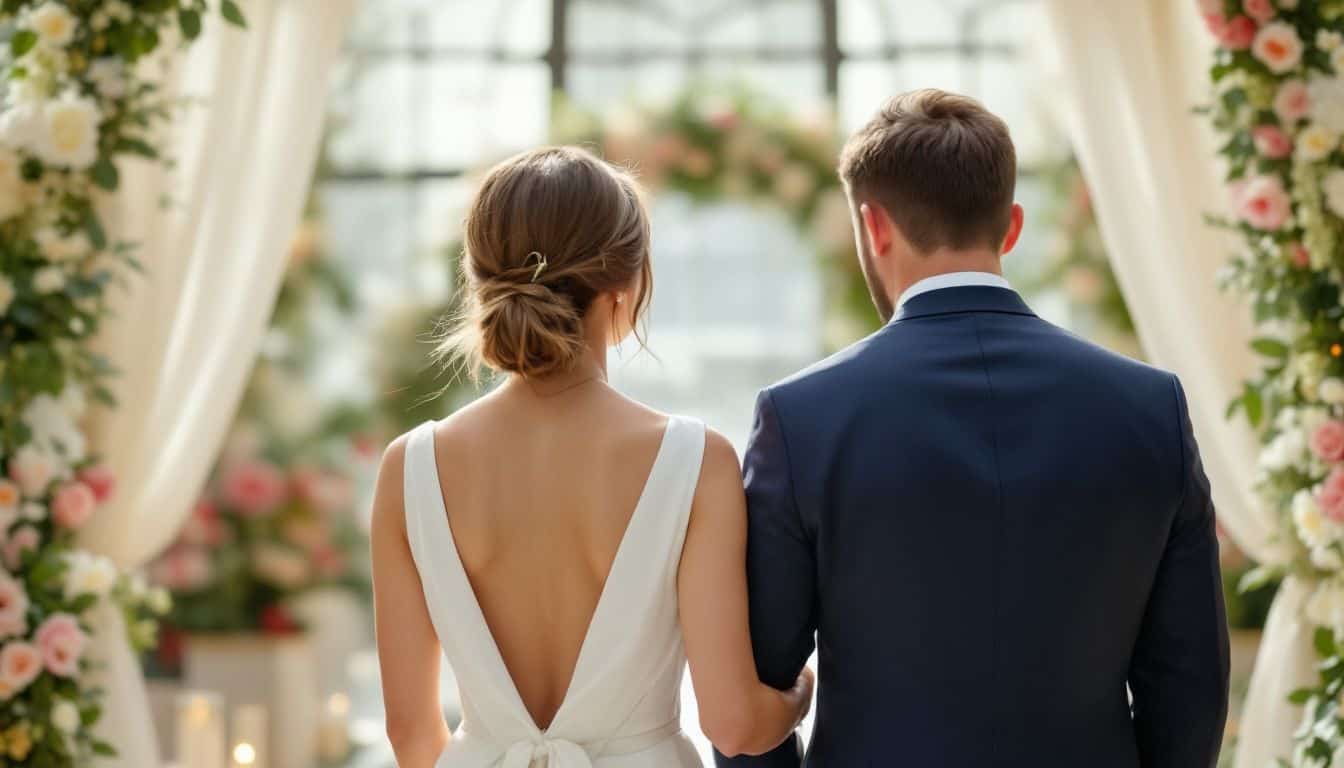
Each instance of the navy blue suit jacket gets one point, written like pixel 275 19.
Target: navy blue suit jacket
pixel 992 530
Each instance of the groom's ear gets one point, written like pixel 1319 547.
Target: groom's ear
pixel 1015 221
pixel 876 227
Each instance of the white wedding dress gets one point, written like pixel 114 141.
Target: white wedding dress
pixel 622 709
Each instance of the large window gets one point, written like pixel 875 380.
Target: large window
pixel 437 88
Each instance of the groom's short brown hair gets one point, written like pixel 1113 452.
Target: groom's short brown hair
pixel 940 164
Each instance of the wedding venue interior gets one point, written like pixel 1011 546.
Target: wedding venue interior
pixel 229 230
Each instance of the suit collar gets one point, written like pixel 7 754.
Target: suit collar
pixel 974 298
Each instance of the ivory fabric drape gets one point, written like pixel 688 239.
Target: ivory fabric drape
pixel 1130 75
pixel 186 332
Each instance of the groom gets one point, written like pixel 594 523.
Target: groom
pixel 999 537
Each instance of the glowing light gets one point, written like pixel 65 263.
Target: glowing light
pixel 244 754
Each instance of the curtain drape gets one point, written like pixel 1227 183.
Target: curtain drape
pixel 1130 75
pixel 212 231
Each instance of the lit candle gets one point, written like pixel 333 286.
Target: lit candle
pixel 333 733
pixel 249 737
pixel 200 730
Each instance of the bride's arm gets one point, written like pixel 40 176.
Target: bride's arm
pixel 738 712
pixel 408 649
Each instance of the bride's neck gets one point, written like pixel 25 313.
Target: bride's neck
pixel 593 367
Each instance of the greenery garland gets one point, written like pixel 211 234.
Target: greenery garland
pixel 74 102
pixel 1278 77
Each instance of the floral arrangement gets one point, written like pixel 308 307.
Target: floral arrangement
pixel 74 102
pixel 277 517
pixel 1278 79
pixel 713 143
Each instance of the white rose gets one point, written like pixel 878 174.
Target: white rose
pixel 53 426
pixel 54 25
pixel 6 294
pixel 65 716
pixel 88 574
pixel 108 74
pixel 1328 39
pixel 101 21
pixel 1326 558
pixel 1284 451
pixel 70 138
pixel 1327 102
pixel 119 10
pixel 33 469
pixel 1332 391
pixel 1312 417
pixel 33 511
pixel 21 125
pixel 74 404
pixel 1312 527
pixel 1316 142
pixel 159 600
pixel 1333 185
pixel 58 247
pixel 48 280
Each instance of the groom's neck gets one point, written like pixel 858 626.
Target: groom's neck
pixel 945 261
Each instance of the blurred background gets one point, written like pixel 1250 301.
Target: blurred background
pixel 731 113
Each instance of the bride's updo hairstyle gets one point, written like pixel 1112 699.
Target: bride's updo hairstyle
pixel 548 231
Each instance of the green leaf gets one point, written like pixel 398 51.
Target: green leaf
pixel 1254 405
pixel 1300 696
pixel 105 173
pixel 232 13
pixel 103 749
pixel 190 23
pixel 1324 642
pixel 1270 347
pixel 22 42
pixel 1255 579
pixel 137 146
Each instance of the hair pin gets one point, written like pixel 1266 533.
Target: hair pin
pixel 541 264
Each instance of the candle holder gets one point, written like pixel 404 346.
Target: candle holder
pixel 200 729
pixel 249 737
pixel 333 731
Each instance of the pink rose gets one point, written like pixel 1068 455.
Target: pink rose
pixel 1278 46
pixel 25 539
pixel 326 491
pixel 61 643
pixel 254 487
pixel 1331 498
pixel 203 527
pixel 1327 441
pixel 1260 10
pixel 73 505
pixel 1271 141
pixel 1236 34
pixel 20 665
pixel 13 607
pixel 1292 102
pixel 1300 256
pixel 1264 204
pixel 182 569
pixel 100 480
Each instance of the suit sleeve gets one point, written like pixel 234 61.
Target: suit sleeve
pixel 781 573
pixel 1179 672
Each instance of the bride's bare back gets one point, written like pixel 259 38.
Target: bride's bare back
pixel 539 490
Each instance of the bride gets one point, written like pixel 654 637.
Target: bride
pixel 567 548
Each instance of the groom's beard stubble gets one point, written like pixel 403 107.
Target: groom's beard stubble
pixel 881 301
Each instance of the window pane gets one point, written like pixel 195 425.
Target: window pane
pixel 864 85
pixel 607 26
pixel 474 112
pixel 375 106
pixel 869 25
pixel 780 24
pixel 601 88
pixel 517 26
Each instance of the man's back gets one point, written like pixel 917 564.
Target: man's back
pixel 993 528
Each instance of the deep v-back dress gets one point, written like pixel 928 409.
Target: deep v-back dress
pixel 622 709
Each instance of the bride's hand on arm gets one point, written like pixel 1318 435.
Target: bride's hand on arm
pixel 408 649
pixel 739 713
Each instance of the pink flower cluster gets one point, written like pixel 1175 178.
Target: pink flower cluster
pixel 58 646
pixel 1327 442
pixel 1263 203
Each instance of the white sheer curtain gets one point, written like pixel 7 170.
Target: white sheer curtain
pixel 1130 74
pixel 187 331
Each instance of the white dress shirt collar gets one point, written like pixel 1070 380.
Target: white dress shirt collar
pixel 953 280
